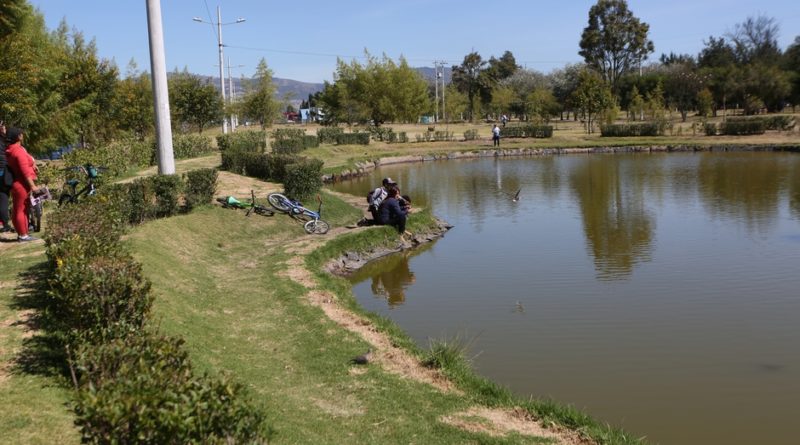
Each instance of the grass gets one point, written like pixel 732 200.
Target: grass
pixel 223 282
pixel 34 393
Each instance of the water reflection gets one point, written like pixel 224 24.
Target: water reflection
pixel 390 276
pixel 618 228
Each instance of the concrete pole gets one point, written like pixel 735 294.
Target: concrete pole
pixel 158 70
pixel 221 69
pixel 436 91
pixel 230 90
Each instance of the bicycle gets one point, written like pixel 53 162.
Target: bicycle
pixel 229 202
pixel 70 197
pixel 35 210
pixel 313 222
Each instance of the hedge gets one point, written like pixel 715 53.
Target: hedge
pixel 527 131
pixel 201 185
pixel 303 179
pixel 327 135
pixel 632 130
pixel 253 141
pixel 353 139
pixel 743 127
pixel 186 146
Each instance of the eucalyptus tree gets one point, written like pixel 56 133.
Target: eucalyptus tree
pixel 132 109
pixel 615 41
pixel 468 80
pixel 260 103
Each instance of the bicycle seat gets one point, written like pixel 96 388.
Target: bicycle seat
pixel 72 182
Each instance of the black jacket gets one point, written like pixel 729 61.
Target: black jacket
pixel 390 211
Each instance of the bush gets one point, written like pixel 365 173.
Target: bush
pixel 288 140
pixel 710 128
pixel 353 139
pixel 167 190
pixel 743 127
pixel 310 141
pixel 141 196
pixel 379 133
pixel 442 135
pixel 250 141
pixel 328 135
pixel 256 165
pixel 118 156
pixel 277 165
pixel 471 135
pixel 303 179
pixel 528 131
pixel 777 122
pixel 143 390
pixel 186 146
pixel 201 185
pixel 93 223
pixel 632 130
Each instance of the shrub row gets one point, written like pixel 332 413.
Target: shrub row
pixel 528 131
pixel 736 128
pixel 255 141
pixel 471 135
pixel 302 177
pixel 353 139
pixel 632 130
pixel 122 155
pixel 436 135
pixel 328 135
pixel 779 122
pixel 134 385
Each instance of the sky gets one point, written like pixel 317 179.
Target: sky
pixel 301 40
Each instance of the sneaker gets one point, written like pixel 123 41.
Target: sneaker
pixel 25 238
pixel 6 229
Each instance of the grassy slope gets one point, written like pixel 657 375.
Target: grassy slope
pixel 220 282
pixel 34 397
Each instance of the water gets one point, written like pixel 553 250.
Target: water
pixel 657 292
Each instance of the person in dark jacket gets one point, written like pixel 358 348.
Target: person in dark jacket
pixel 4 189
pixel 390 212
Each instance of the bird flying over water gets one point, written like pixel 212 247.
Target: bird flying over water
pixel 516 196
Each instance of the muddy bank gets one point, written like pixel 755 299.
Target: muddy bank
pixel 349 262
pixel 366 167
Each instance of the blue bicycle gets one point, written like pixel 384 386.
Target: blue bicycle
pixel 313 222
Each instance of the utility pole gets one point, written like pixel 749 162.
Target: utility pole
pixel 232 93
pixel 436 91
pixel 158 70
pixel 221 58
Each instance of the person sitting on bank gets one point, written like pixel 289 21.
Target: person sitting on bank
pixel 376 197
pixel 390 212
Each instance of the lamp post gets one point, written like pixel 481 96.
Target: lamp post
pixel 221 57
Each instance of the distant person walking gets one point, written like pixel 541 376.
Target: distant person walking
pixel 496 135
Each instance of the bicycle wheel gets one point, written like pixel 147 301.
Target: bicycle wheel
pixel 303 216
pixel 262 210
pixel 66 198
pixel 316 226
pixel 279 202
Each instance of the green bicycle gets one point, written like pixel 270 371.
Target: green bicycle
pixel 229 202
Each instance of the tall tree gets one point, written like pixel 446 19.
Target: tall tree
pixel 756 40
pixel 467 78
pixel 791 63
pixel 615 40
pixel 261 104
pixel 132 109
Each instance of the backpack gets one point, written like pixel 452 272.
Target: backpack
pixel 375 198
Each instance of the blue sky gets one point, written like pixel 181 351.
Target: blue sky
pixel 301 39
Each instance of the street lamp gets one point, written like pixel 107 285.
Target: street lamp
pixel 221 57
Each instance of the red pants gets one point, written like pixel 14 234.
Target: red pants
pixel 21 204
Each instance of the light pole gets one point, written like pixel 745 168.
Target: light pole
pixel 234 118
pixel 221 58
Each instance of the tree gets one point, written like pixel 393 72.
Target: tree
pixel 705 102
pixel 791 63
pixel 542 104
pixel 132 108
pixel 380 91
pixel 13 13
pixel 260 104
pixel 682 85
pixel 756 41
pixel 615 40
pixel 467 79
pixel 502 99
pixel 456 104
pixel 564 81
pixel 592 96
pixel 193 102
pixel 636 104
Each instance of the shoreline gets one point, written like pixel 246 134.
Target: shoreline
pixel 366 167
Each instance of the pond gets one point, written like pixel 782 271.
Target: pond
pixel 656 292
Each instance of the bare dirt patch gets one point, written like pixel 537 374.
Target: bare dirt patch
pixel 501 422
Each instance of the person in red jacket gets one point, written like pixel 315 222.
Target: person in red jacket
pixel 23 168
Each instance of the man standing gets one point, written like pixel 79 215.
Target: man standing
pixel 496 135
